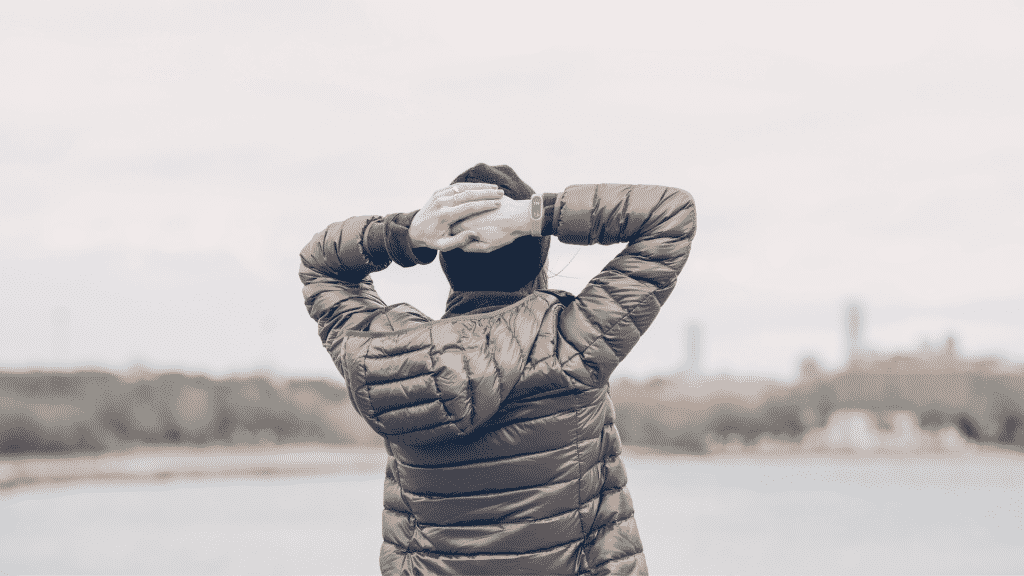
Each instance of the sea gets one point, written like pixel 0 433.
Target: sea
pixel 319 512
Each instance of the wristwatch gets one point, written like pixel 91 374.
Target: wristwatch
pixel 537 215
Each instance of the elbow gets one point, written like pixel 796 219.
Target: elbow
pixel 676 215
pixel 680 199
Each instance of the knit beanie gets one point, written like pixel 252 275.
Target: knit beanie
pixel 511 268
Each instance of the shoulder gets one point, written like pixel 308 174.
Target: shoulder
pixel 560 296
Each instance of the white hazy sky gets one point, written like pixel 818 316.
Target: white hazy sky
pixel 162 163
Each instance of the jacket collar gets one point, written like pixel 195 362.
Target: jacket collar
pixel 481 301
pixel 478 302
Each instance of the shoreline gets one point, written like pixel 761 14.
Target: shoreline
pixel 167 464
pixel 147 465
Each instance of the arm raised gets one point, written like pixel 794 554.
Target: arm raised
pixel 608 317
pixel 335 265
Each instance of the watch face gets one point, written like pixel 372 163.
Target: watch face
pixel 536 207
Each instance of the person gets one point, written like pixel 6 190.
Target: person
pixel 503 455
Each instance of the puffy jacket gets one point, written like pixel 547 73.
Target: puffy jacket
pixel 503 455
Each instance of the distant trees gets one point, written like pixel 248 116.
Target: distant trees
pixel 981 400
pixel 57 413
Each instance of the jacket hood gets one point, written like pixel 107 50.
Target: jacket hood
pixel 419 381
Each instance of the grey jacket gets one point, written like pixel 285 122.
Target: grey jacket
pixel 503 455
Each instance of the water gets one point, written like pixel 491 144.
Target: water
pixel 727 514
pixel 896 515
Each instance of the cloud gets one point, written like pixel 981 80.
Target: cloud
pixel 833 152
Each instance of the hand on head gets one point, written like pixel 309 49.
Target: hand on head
pixel 496 228
pixel 432 225
pixel 471 216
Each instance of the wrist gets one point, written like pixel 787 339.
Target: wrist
pixel 402 248
pixel 415 240
pixel 522 222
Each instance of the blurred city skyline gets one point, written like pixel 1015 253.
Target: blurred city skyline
pixel 161 165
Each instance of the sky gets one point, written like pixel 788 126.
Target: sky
pixel 162 164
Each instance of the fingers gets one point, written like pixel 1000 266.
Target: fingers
pixel 471 196
pixel 480 247
pixel 476 246
pixel 465 186
pixel 456 213
pixel 457 241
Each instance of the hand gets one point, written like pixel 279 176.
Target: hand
pixel 432 225
pixel 497 228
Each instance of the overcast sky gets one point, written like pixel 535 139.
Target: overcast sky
pixel 162 164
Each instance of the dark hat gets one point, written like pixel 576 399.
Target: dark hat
pixel 509 268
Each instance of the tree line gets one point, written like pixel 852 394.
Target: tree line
pixel 46 412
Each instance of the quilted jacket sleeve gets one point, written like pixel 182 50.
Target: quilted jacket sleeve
pixel 335 266
pixel 608 317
